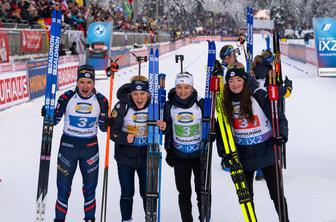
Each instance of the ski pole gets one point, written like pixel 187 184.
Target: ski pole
pixel 110 73
pixel 279 82
pixel 273 97
pixel 241 43
pixel 179 58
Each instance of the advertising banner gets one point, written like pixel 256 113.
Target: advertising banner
pixel 67 73
pixel 325 41
pixel 13 89
pixel 31 41
pixel 4 47
pixel 99 37
pixel 37 77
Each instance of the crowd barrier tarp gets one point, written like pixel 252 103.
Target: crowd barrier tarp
pixel 206 38
pixel 164 48
pixel 78 37
pixel 284 48
pixel 13 86
pixel 172 46
pixel 325 42
pixel 311 55
pixel 178 44
pixel 188 40
pixel 297 52
pixel 291 50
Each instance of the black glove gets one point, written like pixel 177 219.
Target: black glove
pixel 280 140
pixel 288 82
pixel 252 83
pixel 212 137
pixel 108 121
pixel 170 159
pixel 218 69
pixel 112 69
pixel 43 111
pixel 225 163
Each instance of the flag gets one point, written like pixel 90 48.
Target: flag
pixel 64 5
pixel 128 9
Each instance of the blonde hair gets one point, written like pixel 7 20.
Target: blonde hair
pixel 259 58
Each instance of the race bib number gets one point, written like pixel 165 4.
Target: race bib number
pixel 187 131
pixel 239 123
pixel 82 122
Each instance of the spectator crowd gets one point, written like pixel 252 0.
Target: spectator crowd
pixel 74 15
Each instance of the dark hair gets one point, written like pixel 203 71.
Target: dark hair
pixel 245 103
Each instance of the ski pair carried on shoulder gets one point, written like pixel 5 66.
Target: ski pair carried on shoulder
pixel 154 156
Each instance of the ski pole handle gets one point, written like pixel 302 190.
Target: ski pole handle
pixel 241 39
pixel 273 93
pixel 179 58
pixel 139 59
pixel 214 84
pixel 114 67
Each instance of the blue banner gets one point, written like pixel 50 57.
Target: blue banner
pixel 99 37
pixel 325 42
pixel 37 78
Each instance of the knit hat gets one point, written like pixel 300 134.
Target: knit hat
pixel 139 83
pixel 86 71
pixel 235 71
pixel 184 78
pixel 267 56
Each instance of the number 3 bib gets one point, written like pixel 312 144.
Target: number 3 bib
pixel 187 128
pixel 251 132
pixel 81 117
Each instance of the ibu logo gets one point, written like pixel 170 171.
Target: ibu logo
pixel 99 30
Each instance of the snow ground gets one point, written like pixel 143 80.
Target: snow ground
pixel 309 180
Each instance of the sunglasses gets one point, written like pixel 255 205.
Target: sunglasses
pixel 230 50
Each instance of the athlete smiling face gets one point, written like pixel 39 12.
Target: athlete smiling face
pixel 85 86
pixel 184 90
pixel 140 98
pixel 236 84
